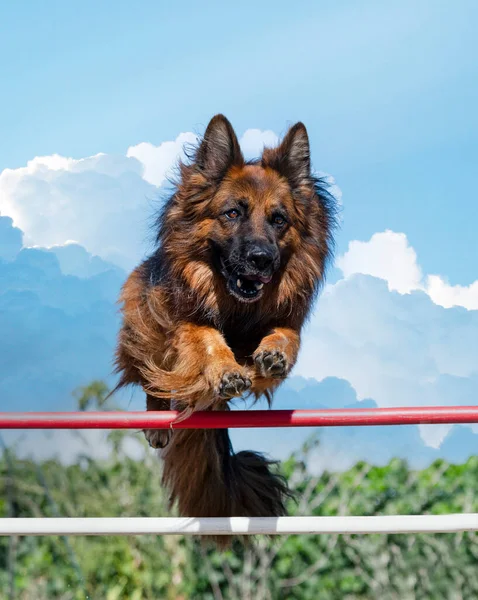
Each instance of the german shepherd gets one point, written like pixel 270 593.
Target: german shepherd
pixel 216 312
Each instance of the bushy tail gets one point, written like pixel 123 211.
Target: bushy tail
pixel 207 479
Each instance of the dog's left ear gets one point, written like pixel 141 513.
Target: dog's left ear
pixel 219 149
pixel 292 157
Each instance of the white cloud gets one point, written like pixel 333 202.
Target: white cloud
pixel 389 335
pixel 448 295
pixel 158 161
pixel 254 141
pixel 101 201
pixel 388 256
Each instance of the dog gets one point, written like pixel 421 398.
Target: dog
pixel 216 311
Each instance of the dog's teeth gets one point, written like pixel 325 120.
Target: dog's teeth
pixel 258 285
pixel 239 283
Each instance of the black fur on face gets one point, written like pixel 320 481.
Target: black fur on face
pixel 246 260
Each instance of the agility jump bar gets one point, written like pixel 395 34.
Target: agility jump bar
pixel 240 525
pixel 430 415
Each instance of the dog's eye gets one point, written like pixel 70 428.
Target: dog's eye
pixel 278 220
pixel 232 214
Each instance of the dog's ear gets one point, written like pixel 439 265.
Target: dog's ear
pixel 219 149
pixel 292 157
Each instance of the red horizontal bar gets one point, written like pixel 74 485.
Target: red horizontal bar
pixel 241 418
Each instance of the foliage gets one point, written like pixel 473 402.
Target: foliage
pixel 297 567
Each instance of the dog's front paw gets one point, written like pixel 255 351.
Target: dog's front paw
pixel 157 438
pixel 271 364
pixel 232 384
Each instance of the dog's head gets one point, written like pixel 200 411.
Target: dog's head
pixel 258 225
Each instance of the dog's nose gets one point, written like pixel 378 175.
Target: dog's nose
pixel 261 258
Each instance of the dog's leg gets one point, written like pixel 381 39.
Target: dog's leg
pixel 202 370
pixel 202 352
pixel 204 374
pixel 157 438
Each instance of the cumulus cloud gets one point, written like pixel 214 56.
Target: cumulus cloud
pixel 399 349
pixel 389 256
pixel 76 260
pixel 441 292
pixel 158 161
pixel 57 329
pixel 58 326
pixel 101 201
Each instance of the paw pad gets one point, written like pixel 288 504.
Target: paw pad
pixel 233 384
pixel 271 364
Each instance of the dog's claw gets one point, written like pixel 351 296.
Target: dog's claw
pixel 271 364
pixel 233 384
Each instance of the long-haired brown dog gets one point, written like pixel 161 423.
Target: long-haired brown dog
pixel 217 311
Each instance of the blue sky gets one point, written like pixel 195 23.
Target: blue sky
pixel 388 92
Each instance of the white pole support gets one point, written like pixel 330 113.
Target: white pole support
pixel 240 525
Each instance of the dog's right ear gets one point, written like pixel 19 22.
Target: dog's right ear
pixel 292 157
pixel 219 149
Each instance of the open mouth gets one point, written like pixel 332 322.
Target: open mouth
pixel 247 287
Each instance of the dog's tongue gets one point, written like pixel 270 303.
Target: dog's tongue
pixel 261 278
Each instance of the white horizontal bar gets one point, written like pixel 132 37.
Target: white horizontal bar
pixel 239 525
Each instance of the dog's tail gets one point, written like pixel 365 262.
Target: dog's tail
pixel 207 479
